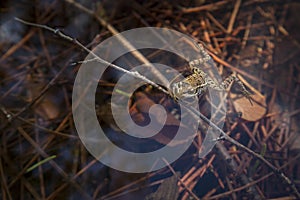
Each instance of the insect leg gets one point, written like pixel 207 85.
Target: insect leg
pixel 245 92
pixel 232 78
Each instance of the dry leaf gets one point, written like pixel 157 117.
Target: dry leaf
pixel 49 105
pixel 143 103
pixel 47 109
pixel 168 189
pixel 250 112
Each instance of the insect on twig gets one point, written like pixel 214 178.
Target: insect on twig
pixel 198 82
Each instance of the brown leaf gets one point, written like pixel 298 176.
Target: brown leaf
pixel 168 190
pixel 49 105
pixel 143 104
pixel 47 109
pixel 250 112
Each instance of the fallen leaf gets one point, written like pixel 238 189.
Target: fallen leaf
pixel 49 105
pixel 168 189
pixel 143 104
pixel 250 112
pixel 170 126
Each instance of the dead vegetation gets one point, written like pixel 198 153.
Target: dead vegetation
pixel 41 154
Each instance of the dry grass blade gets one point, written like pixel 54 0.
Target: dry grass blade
pixel 257 40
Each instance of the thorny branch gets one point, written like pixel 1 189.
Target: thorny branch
pixel 224 136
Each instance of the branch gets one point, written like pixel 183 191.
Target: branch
pixel 224 136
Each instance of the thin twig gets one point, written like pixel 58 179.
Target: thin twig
pixel 233 16
pixel 224 136
pixel 221 195
pixel 180 180
pixel 209 7
pixel 51 162
pixel 122 40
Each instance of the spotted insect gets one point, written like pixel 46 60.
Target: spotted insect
pixel 199 81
